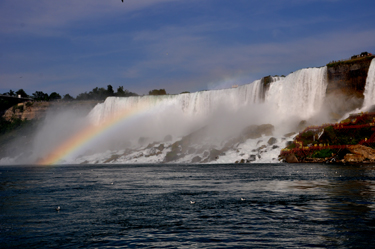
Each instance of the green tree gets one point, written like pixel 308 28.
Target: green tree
pixel 124 93
pixel 22 93
pixel 54 96
pixel 120 91
pixel 157 92
pixel 83 96
pixel 11 93
pixel 41 96
pixel 110 91
pixel 67 97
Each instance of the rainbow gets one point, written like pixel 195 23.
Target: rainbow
pixel 88 134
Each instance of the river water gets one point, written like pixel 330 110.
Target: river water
pixel 149 206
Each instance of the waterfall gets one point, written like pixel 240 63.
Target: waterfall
pixel 370 86
pixel 300 93
pixel 192 105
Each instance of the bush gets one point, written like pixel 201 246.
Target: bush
pixel 15 123
pixel 322 153
pixel 157 92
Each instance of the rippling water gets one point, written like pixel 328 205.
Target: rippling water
pixel 301 205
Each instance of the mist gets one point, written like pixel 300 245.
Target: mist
pixel 224 114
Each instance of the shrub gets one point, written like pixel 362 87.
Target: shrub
pixel 322 153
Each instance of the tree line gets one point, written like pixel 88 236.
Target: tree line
pixel 98 93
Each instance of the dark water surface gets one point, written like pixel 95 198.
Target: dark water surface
pixel 285 206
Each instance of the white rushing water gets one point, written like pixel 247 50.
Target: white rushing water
pixel 192 105
pixel 300 93
pixel 370 86
pixel 224 113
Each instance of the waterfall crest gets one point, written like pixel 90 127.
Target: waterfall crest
pixel 198 104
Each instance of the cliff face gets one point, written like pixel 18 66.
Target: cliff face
pixel 38 110
pixel 28 110
pixel 348 77
pixel 346 84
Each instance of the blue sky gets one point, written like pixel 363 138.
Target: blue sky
pixel 72 46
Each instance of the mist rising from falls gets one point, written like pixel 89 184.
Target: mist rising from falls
pixel 177 115
pixel 280 101
pixel 300 95
pixel 370 86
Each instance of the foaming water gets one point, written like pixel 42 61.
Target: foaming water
pixel 192 206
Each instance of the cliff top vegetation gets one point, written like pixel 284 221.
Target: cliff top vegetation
pixel 364 56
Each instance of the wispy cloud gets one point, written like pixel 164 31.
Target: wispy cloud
pixel 173 44
pixel 47 17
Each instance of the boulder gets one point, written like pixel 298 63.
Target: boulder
pixel 291 158
pixel 362 150
pixel 262 147
pixel 272 141
pixel 196 159
pixel 256 131
pixel 353 158
pixel 160 147
pixel 214 154
pixel 252 158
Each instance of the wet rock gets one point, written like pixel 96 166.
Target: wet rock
pixel 362 150
pixel 275 147
pixel 252 158
pixel 196 159
pixel 256 131
pixel 172 156
pixel 112 158
pixel 160 147
pixel 291 158
pixel 214 154
pixel 302 125
pixel 353 158
pixel 272 141
pixel 262 147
